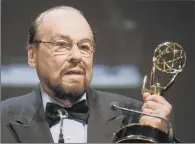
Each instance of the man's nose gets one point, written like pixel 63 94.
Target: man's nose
pixel 75 55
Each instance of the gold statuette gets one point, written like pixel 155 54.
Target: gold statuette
pixel 169 58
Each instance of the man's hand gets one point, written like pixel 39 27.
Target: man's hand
pixel 156 105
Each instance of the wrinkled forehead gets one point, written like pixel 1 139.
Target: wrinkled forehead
pixel 64 22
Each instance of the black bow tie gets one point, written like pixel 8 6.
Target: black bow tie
pixel 78 111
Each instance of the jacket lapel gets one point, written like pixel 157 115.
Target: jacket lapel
pixel 30 126
pixel 103 122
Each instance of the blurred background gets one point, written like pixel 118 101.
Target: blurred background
pixel 127 33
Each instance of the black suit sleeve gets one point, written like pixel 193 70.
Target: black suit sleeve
pixel 6 135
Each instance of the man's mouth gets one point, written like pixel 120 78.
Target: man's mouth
pixel 74 72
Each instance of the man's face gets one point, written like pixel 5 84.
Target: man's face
pixel 65 68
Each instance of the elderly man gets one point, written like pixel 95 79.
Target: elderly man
pixel 63 107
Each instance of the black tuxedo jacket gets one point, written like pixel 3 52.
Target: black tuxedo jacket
pixel 23 118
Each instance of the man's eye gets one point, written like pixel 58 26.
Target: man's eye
pixel 61 44
pixel 84 47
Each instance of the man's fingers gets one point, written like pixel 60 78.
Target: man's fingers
pixel 148 111
pixel 155 98
pixel 152 105
pixel 158 99
pixel 162 113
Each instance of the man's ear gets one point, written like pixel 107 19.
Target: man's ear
pixel 32 56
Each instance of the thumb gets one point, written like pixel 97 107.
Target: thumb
pixel 145 95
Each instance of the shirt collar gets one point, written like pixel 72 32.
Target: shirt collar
pixel 48 99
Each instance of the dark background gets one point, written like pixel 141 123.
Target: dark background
pixel 127 32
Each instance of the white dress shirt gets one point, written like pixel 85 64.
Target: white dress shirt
pixel 73 131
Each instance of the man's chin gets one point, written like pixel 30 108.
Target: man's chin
pixel 74 88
